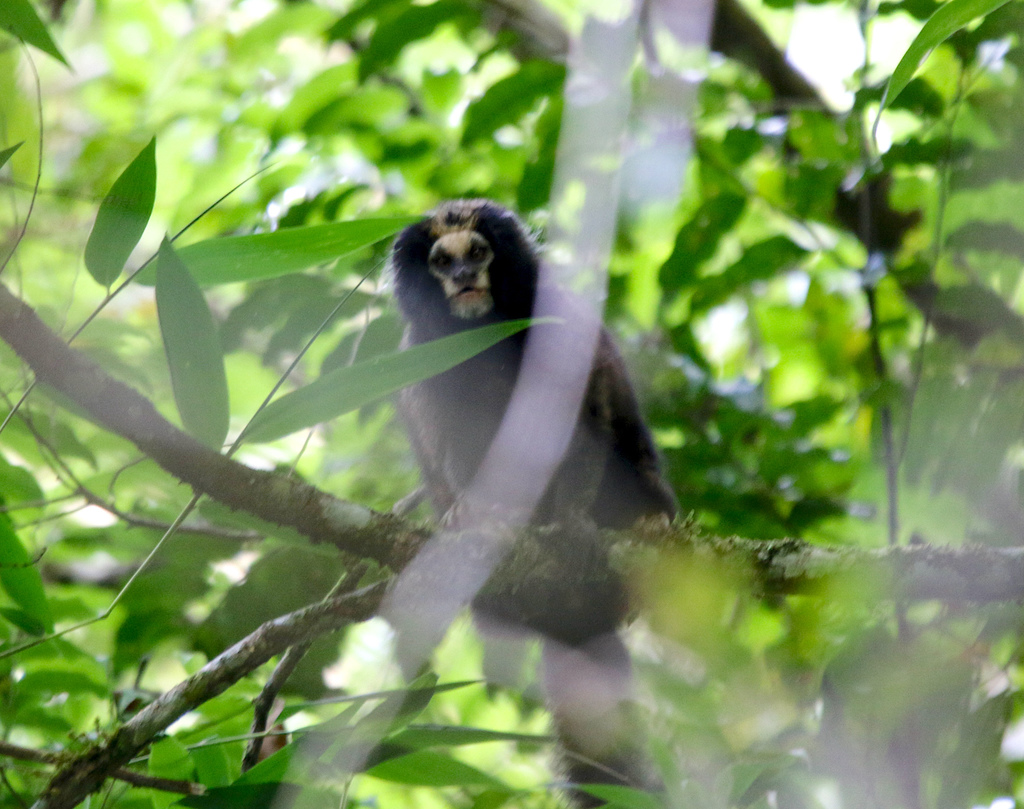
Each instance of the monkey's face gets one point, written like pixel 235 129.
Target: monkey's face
pixel 469 260
pixel 460 260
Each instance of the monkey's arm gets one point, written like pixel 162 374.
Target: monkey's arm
pixel 429 455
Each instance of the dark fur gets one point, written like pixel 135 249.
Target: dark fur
pixel 562 584
pixel 610 472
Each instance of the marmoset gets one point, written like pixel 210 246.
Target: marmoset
pixel 471 263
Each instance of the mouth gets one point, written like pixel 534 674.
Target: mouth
pixel 471 301
pixel 470 293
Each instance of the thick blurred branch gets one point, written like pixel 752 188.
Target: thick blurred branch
pixel 735 33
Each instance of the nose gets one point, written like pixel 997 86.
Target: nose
pixel 463 272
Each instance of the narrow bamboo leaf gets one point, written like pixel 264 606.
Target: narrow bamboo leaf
pixel 22 582
pixel 621 797
pixel 269 255
pixel 193 350
pixel 122 218
pixel 361 699
pixel 346 389
pixel 949 18
pixel 274 769
pixel 261 796
pixel 17 17
pixel 5 154
pixel 421 736
pixel 431 769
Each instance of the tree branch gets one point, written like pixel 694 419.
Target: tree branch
pixel 264 703
pixel 125 412
pixel 137 779
pixel 734 33
pixel 85 773
pixel 921 572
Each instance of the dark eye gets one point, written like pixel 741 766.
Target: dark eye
pixel 441 259
pixel 477 252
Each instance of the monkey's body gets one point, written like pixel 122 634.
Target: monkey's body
pixel 609 473
pixel 469 264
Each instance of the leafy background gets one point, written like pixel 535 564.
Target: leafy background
pixel 824 324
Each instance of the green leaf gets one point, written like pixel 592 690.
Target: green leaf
pixel 535 186
pixel 509 99
pixel 361 699
pixel 61 679
pixel 397 707
pixel 261 796
pixel 420 736
pixel 274 769
pixel 982 236
pixel 193 350
pixel 24 621
pixel 17 484
pixel 17 17
pixel 698 240
pixel 5 154
pixel 431 769
pixel 949 18
pixel 269 255
pixel 625 797
pixel 21 580
pixel 213 768
pixel 377 10
pixel 122 218
pixel 760 262
pixel 169 758
pixel 383 335
pixel 413 23
pixel 346 389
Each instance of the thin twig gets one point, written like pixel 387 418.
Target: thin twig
pixel 265 701
pixel 39 163
pixel 928 309
pixel 79 489
pixel 885 419
pixel 159 525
